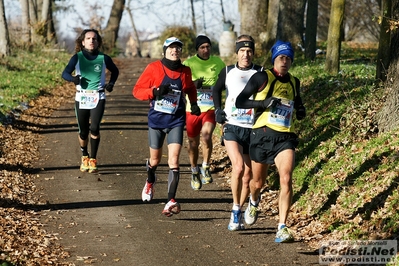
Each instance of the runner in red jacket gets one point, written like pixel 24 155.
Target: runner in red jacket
pixel 165 83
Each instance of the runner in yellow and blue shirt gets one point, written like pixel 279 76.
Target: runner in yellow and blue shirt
pixel 273 141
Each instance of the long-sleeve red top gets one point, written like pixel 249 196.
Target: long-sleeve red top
pixel 152 77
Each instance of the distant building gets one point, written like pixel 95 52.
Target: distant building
pixel 151 46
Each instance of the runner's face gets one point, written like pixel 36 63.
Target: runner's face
pixel 90 41
pixel 173 52
pixel 204 51
pixel 282 64
pixel 244 57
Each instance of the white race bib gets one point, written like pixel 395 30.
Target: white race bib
pixel 88 99
pixel 281 115
pixel 204 98
pixel 168 103
pixel 242 116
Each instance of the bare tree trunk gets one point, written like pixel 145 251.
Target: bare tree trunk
pixel 193 16
pixel 43 24
pixel 4 37
pixel 253 17
pixel 271 25
pixel 112 28
pixel 37 23
pixel 129 11
pixel 25 28
pixel 384 41
pixel 311 29
pixel 33 21
pixel 388 116
pixel 223 16
pixel 45 11
pixel 291 21
pixel 334 36
pixel 51 35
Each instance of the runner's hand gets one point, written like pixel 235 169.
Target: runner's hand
pixel 300 112
pixel 195 110
pixel 109 87
pixel 198 83
pixel 220 116
pixel 271 102
pixel 162 90
pixel 76 79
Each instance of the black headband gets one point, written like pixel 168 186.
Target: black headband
pixel 248 44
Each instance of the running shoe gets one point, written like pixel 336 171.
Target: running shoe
pixel 284 235
pixel 236 222
pixel 206 175
pixel 251 213
pixel 148 191
pixel 84 166
pixel 195 181
pixel 172 207
pixel 93 165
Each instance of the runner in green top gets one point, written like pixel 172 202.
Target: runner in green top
pixel 89 65
pixel 205 69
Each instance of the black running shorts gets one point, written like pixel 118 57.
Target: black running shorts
pixel 266 144
pixel 238 134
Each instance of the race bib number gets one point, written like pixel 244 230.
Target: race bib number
pixel 88 99
pixel 242 116
pixel 282 115
pixel 204 97
pixel 168 103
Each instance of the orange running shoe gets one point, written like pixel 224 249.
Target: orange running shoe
pixel 84 166
pixel 93 165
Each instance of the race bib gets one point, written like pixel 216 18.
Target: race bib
pixel 282 115
pixel 88 99
pixel 168 103
pixel 242 116
pixel 204 97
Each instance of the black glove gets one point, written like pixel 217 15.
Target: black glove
pixel 198 83
pixel 300 112
pixel 162 90
pixel 271 102
pixel 109 87
pixel 195 110
pixel 220 116
pixel 76 79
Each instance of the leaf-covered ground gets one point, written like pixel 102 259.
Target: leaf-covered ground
pixel 23 240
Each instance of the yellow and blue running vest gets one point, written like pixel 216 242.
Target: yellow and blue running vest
pixel 278 118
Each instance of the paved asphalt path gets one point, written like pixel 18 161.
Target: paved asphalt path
pixel 100 218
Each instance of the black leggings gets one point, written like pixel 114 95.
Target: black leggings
pixel 84 115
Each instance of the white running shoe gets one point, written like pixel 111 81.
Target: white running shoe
pixel 236 222
pixel 284 235
pixel 172 207
pixel 148 191
pixel 251 213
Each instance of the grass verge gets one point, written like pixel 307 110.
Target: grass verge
pixel 26 75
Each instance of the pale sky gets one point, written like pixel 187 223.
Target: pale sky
pixel 149 15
